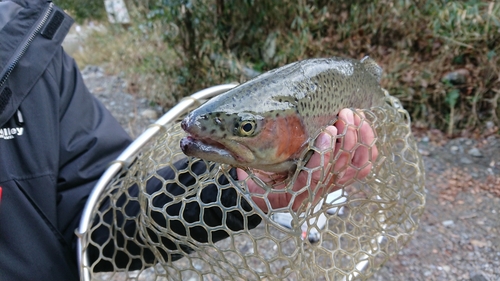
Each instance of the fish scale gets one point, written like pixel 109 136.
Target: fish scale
pixel 266 122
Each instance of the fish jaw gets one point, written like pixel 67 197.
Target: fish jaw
pixel 219 154
pixel 227 152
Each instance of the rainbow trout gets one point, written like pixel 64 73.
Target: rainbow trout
pixel 266 122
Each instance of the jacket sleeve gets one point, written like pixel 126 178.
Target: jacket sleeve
pixel 217 223
pixel 90 138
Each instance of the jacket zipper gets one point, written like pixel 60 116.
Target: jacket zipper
pixel 28 42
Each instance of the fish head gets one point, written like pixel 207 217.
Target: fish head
pixel 262 140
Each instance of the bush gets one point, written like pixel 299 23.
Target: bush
pixel 82 10
pixel 441 58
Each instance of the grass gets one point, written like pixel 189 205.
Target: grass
pixel 147 62
pixel 166 54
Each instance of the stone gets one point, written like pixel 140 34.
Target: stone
pixel 478 277
pixel 457 77
pixel 149 113
pixel 448 223
pixel 465 160
pixel 475 152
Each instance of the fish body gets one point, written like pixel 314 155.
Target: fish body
pixel 266 122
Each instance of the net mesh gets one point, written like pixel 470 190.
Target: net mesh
pixel 168 217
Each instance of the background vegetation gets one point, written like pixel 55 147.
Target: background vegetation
pixel 441 58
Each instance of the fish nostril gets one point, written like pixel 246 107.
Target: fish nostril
pixel 183 145
pixel 184 124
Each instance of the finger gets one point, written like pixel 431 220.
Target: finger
pixel 319 168
pixel 324 144
pixel 348 140
pixel 365 152
pixel 368 151
pixel 275 200
pixel 365 137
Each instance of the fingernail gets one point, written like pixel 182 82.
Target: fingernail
pixel 324 141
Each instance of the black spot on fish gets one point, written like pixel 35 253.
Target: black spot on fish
pixel 213 131
pixel 203 128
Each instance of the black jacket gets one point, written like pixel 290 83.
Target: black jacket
pixel 56 140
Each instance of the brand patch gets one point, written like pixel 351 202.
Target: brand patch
pixel 10 133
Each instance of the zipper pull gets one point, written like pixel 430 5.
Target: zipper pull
pixel 19 118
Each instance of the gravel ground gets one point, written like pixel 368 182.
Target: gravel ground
pixel 459 234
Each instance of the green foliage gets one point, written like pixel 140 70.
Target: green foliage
pixel 418 43
pixel 81 10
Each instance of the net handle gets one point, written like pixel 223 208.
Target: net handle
pixel 124 160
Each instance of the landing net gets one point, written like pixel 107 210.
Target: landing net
pixel 139 222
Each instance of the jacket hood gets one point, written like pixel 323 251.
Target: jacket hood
pixel 31 33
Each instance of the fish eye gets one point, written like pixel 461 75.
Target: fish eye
pixel 247 128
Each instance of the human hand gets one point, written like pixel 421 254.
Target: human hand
pixel 355 151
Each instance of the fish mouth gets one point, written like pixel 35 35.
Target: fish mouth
pixel 229 152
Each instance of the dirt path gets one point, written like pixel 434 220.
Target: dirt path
pixel 458 238
pixel 459 235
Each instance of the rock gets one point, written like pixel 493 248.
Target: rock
pixel 465 160
pixel 456 77
pixel 424 152
pixel 149 113
pixel 479 243
pixel 475 152
pixel 448 223
pixel 92 71
pixel 478 277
